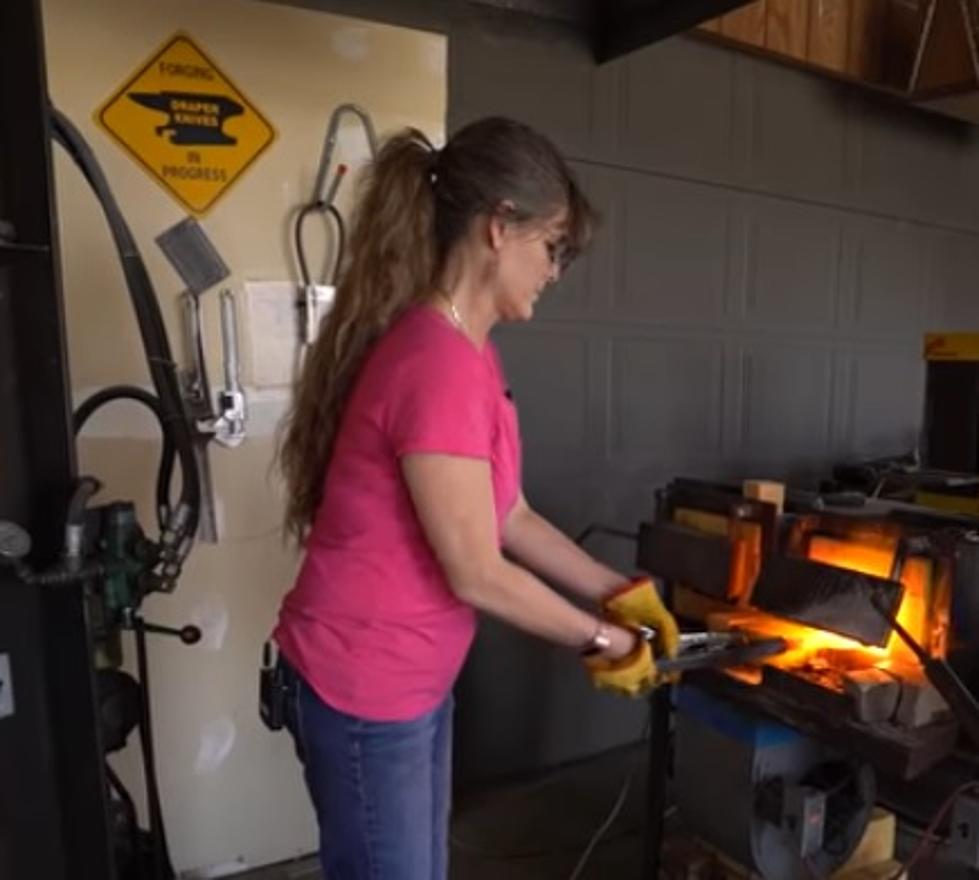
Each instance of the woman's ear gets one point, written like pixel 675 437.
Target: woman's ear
pixel 496 230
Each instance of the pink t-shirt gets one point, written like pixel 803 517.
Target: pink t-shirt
pixel 371 623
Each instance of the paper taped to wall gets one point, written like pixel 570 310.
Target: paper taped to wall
pixel 274 330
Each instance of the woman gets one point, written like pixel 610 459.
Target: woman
pixel 402 461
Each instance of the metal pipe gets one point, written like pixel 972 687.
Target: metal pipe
pixel 330 142
pixel 229 340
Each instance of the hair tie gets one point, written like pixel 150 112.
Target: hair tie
pixel 433 162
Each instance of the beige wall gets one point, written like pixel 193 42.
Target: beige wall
pixel 232 792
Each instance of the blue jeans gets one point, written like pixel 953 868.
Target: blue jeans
pixel 381 789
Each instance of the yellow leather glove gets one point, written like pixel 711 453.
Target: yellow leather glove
pixel 631 676
pixel 637 603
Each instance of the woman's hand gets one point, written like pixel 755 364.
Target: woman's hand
pixel 624 642
pixel 637 603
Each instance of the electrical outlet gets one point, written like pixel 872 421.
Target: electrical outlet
pixel 6 687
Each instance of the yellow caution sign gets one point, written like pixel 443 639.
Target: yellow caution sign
pixel 952 346
pixel 181 118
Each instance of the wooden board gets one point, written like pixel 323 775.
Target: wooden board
pixel 746 24
pixel 787 27
pixel 944 60
pixel 865 50
pixel 903 23
pixel 876 847
pixel 883 871
pixel 829 22
pixel 686 857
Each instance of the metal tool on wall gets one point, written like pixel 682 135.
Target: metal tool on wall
pixel 219 416
pixel 315 297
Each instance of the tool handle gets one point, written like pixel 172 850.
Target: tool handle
pixel 722 658
pixel 945 680
pixel 229 341
pixel 189 635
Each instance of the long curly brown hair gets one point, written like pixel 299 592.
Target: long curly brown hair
pixel 415 205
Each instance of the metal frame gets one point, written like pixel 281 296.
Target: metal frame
pixel 612 28
pixel 627 25
pixel 53 821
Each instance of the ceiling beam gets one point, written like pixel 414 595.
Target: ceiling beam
pixel 612 27
pixel 624 26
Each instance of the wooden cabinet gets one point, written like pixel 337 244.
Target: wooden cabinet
pixel 871 41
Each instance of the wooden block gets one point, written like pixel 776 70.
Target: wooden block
pixel 746 24
pixel 689 858
pixel 829 21
pixel 712 25
pixel 694 606
pixel 883 871
pixel 787 27
pixel 865 50
pixel 765 490
pixel 876 845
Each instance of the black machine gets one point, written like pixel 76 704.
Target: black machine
pixel 72 575
pixel 875 604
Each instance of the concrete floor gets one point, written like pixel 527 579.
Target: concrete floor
pixel 537 830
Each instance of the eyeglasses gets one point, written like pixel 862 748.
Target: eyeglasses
pixel 559 253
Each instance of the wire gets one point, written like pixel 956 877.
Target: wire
pixel 544 852
pixel 619 801
pixel 297 237
pixel 604 827
pixel 341 241
pixel 928 835
pixel 305 276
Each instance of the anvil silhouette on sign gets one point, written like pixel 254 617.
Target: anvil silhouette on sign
pixel 195 119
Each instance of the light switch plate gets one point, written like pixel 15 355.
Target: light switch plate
pixel 6 687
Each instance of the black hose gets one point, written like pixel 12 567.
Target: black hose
pixel 164 475
pixel 305 276
pixel 155 342
pixel 341 242
pixel 86 488
pixel 297 235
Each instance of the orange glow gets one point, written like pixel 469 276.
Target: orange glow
pixel 876 557
pixel 745 537
pixel 824 655
pixel 914 614
pixel 868 557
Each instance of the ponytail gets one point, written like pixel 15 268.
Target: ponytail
pixel 391 264
pixel 417 205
